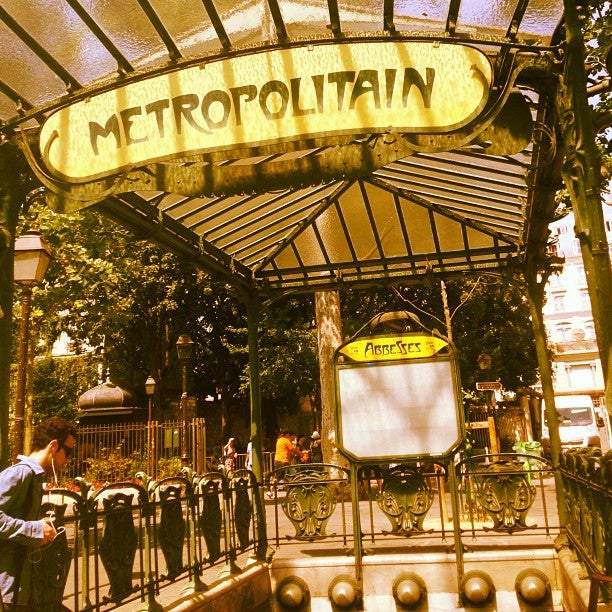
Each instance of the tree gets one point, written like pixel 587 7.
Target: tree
pixel 488 315
pixel 598 37
pixel 59 382
pixel 106 289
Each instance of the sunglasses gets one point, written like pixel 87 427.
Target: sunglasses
pixel 68 450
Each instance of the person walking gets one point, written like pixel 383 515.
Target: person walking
pixel 283 454
pixel 285 449
pixel 229 455
pixel 302 453
pixel 21 490
pixel 316 453
pixel 249 455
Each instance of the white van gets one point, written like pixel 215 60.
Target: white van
pixel 578 423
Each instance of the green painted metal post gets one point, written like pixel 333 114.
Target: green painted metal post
pixel 582 177
pixel 151 605
pixel 252 303
pixel 12 195
pixel 452 482
pixel 195 584
pixel 535 294
pixel 357 543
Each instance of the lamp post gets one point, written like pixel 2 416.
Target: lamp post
pixel 484 361
pixel 150 391
pixel 184 347
pixel 32 258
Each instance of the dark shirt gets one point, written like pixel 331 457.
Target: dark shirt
pixel 316 453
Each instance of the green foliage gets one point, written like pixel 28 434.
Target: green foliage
pixel 112 466
pixel 58 383
pixel 597 32
pixel 487 314
pixel 107 287
pixel 288 352
pixel 168 467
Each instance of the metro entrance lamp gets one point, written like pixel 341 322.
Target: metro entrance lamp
pixel 32 258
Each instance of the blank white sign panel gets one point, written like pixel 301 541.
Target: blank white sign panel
pixel 398 409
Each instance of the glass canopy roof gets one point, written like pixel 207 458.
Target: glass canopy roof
pixel 327 209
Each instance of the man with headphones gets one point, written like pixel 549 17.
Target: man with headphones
pixel 21 490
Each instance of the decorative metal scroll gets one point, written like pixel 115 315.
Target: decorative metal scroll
pixel 405 499
pixel 172 528
pixel 587 482
pixel 242 483
pixel 504 492
pixel 211 518
pixel 118 544
pixel 310 501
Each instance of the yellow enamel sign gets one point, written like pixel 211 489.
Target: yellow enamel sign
pixel 268 97
pixel 387 348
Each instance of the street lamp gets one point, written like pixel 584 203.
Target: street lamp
pixel 484 361
pixel 184 347
pixel 150 391
pixel 32 258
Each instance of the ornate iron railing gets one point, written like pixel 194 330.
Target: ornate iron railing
pixel 126 541
pixel 494 495
pixel 587 482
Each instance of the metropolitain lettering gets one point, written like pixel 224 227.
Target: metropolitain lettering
pixel 218 109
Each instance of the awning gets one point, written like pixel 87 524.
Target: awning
pixel 308 211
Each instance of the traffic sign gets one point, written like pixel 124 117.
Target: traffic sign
pixel 488 386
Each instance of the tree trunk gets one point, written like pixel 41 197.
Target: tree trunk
pixel 329 334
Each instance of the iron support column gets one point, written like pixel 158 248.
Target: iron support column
pixel 535 294
pixel 12 195
pixel 256 425
pixel 582 177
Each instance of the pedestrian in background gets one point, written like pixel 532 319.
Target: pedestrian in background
pixel 302 453
pixel 285 451
pixel 316 453
pixel 249 455
pixel 21 490
pixel 229 455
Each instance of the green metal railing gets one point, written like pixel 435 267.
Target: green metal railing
pixel 587 481
pixel 125 542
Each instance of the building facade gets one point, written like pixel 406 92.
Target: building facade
pixel 568 317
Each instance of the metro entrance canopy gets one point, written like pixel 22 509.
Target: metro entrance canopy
pixel 292 146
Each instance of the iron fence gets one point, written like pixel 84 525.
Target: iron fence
pixel 126 541
pixel 123 542
pixel 587 482
pixel 116 451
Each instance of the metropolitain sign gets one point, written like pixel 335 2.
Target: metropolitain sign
pixel 268 97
